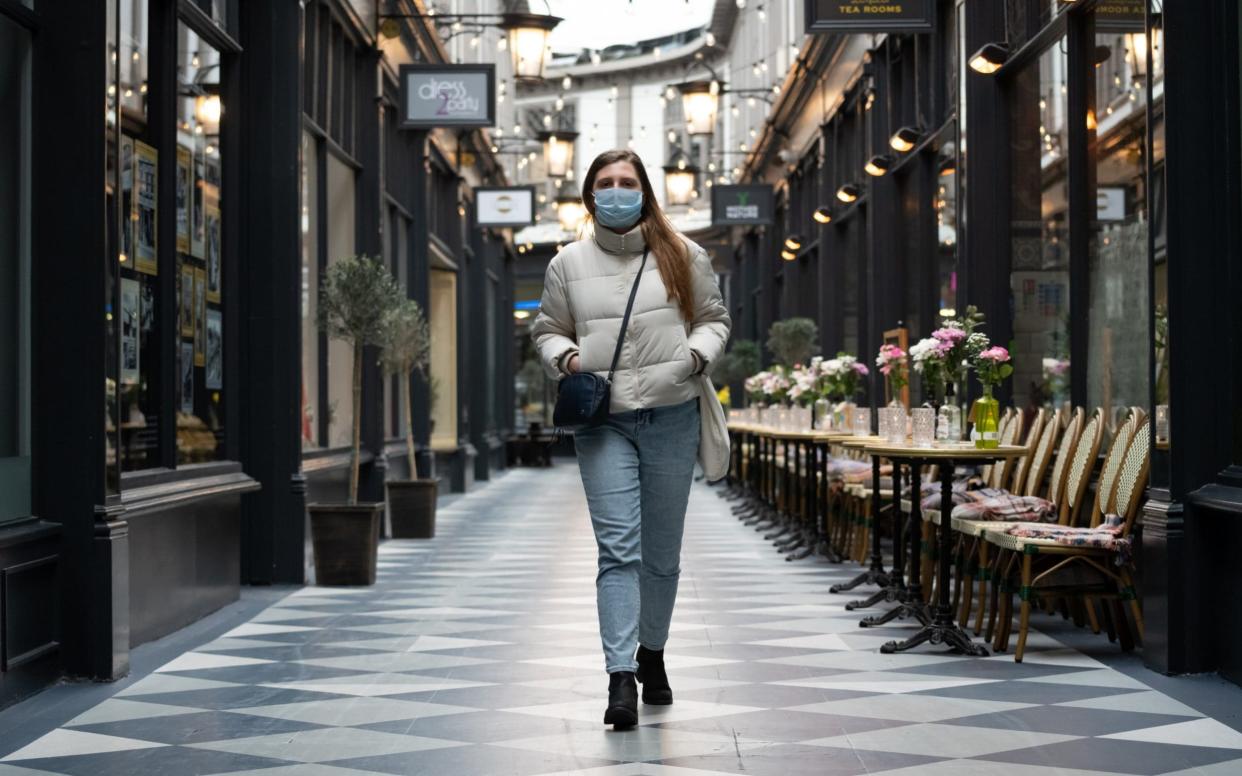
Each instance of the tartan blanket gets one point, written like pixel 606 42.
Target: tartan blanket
pixel 1105 536
pixel 1005 506
pixel 959 497
pixel 842 467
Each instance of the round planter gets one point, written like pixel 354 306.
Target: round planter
pixel 346 542
pixel 412 508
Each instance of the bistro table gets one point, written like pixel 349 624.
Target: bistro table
pixel 941 629
pixel 875 573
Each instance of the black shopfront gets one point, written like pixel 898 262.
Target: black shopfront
pixel 1084 193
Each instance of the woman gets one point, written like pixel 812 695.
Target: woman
pixel 636 467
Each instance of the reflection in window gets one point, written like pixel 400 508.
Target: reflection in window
pixel 1039 281
pixel 342 243
pixel 310 291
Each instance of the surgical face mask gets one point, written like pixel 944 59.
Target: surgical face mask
pixel 618 208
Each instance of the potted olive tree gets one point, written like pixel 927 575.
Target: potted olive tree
pixel 407 347
pixel 355 300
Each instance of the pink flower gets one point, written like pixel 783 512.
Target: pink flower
pixel 995 354
pixel 886 369
pixel 949 335
pixel 861 368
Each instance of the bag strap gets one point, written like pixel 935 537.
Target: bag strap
pixel 625 322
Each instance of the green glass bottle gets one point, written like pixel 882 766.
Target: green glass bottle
pixel 986 413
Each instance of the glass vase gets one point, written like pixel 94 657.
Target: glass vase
pixel 821 414
pixel 987 421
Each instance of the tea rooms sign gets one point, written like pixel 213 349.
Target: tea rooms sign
pixel 870 16
pixel 448 96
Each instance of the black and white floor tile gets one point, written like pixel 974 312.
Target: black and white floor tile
pixel 477 653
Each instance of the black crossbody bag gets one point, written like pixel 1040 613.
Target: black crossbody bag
pixel 582 399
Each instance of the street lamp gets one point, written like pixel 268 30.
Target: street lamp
pixel 679 182
pixel 700 103
pixel 528 42
pixel 989 58
pixel 558 153
pixel 570 211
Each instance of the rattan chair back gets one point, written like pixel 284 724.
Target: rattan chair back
pixel 1080 468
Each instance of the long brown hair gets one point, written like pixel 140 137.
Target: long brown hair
pixel 671 255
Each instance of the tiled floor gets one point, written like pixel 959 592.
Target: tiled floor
pixel 477 653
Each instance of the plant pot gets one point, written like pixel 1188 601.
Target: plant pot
pixel 346 542
pixel 412 507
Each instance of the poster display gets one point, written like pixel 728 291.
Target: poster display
pixel 200 316
pixel 215 350
pixel 185 300
pixel 146 170
pixel 211 225
pixel 185 174
pixel 127 199
pixel 131 324
pixel 197 229
pixel 186 383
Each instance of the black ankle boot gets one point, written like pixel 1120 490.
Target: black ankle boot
pixel 656 691
pixel 622 700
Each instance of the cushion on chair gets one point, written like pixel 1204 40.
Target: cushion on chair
pixel 1006 506
pixel 1105 536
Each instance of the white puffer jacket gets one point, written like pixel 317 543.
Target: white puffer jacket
pixel 584 294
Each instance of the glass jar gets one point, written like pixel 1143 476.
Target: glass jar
pixel 862 421
pixel 924 426
pixel 822 414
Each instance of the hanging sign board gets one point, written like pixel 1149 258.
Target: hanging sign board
pixel 868 16
pixel 1121 16
pixel 501 207
pixel 742 205
pixel 437 96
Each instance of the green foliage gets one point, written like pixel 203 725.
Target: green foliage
pixel 793 341
pixel 406 341
pixel 740 362
pixel 355 298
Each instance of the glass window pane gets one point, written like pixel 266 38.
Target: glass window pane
pixel 342 242
pixel 200 229
pixel 1040 276
pixel 14 271
pixel 310 292
pixel 1118 374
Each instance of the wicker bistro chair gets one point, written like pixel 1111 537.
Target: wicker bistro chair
pixel 1077 479
pixel 1089 563
pixel 1027 485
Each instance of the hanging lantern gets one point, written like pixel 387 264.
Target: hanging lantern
pixel 558 153
pixel 570 211
pixel 700 101
pixel 528 42
pixel 679 182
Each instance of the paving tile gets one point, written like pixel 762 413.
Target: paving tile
pixel 1133 757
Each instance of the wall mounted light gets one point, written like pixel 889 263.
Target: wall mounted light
pixel 558 152
pixel 848 192
pixel 793 242
pixel 989 58
pixel 905 139
pixel 788 255
pixel 700 103
pixel 948 166
pixel 878 165
pixel 207 111
pixel 679 181
pixel 822 215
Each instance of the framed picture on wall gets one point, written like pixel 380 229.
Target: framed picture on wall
pixel 185 300
pixel 131 325
pixel 187 378
pixel 211 222
pixel 215 350
pixel 185 175
pixel 197 230
pixel 200 316
pixel 146 171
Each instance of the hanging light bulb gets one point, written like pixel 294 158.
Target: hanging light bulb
pixel 567 83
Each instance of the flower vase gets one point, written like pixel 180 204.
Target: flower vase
pixel 821 414
pixel 986 413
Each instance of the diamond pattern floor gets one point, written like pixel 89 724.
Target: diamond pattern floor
pixel 477 653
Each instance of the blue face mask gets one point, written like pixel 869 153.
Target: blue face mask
pixel 618 208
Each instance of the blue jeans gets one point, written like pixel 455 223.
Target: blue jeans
pixel 636 469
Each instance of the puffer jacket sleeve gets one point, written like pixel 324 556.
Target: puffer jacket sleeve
pixel 709 331
pixel 553 331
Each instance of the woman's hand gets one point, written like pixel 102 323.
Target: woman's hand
pixel 571 366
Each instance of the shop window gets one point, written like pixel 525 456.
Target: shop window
pixel 14 271
pixel 342 242
pixel 442 320
pixel 200 248
pixel 1118 361
pixel 310 292
pixel 1040 277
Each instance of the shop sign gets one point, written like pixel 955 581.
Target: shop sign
pixel 1110 204
pixel 501 207
pixel 434 96
pixel 742 205
pixel 868 16
pixel 1121 16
